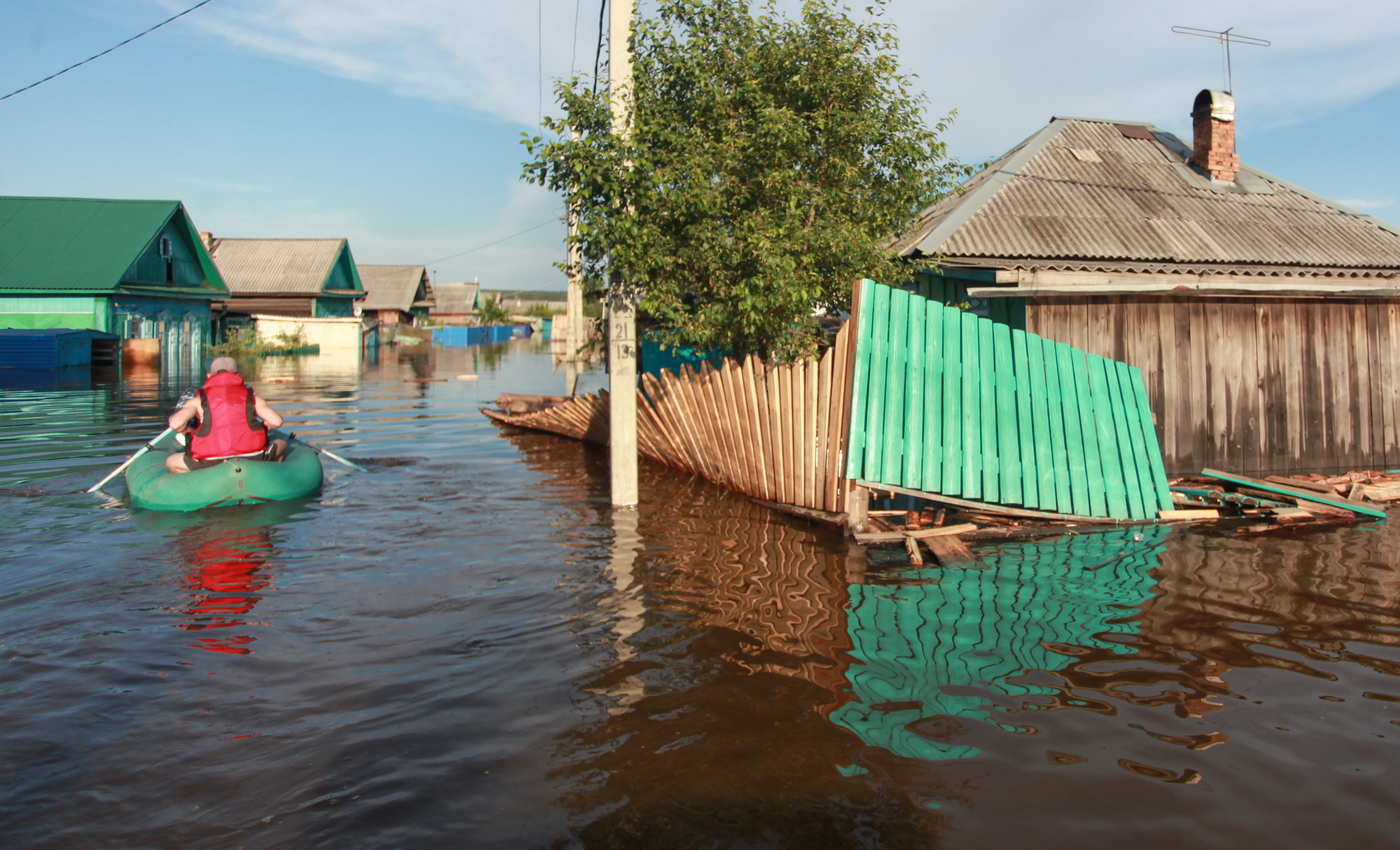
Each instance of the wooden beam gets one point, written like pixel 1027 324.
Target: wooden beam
pixel 1304 495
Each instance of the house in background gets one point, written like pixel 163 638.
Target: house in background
pixel 311 281
pixel 395 295
pixel 456 303
pixel 136 269
pixel 1265 318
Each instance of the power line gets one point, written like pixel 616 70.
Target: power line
pixel 108 50
pixel 497 242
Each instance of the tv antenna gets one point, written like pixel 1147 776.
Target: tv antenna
pixel 1226 38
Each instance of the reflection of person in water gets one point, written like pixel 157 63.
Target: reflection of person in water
pixel 228 573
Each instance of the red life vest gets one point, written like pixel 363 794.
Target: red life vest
pixel 229 426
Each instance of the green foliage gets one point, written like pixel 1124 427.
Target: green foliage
pixel 493 312
pixel 541 311
pixel 769 162
pixel 243 344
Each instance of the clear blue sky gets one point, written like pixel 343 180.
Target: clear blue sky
pixel 396 123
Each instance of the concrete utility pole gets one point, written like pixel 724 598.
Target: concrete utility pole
pixel 573 360
pixel 622 304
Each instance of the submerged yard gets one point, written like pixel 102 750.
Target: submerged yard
pixel 466 646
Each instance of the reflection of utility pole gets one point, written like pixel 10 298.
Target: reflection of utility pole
pixel 622 305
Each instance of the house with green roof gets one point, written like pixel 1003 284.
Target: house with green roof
pixel 133 268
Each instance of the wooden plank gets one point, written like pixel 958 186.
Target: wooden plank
pixel 757 389
pixel 991 456
pixel 1111 464
pixel 892 465
pixel 919 534
pixel 1135 449
pixel 1088 427
pixel 875 399
pixel 842 354
pixel 823 441
pixel 953 424
pixel 972 456
pixel 913 472
pixel 778 419
pixel 1007 417
pixel 1025 420
pixel 734 395
pixel 932 440
pixel 1156 469
pixel 1000 510
pixel 1055 417
pixel 863 319
pixel 1294 492
pixel 1192 515
pixel 950 551
pixel 811 460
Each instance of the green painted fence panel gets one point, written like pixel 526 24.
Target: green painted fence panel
pixel 1148 428
pixel 1126 458
pixel 1008 439
pixel 971 410
pixel 933 396
pixel 991 456
pixel 860 381
pixel 948 403
pixel 914 397
pixel 1055 419
pixel 891 468
pixel 875 398
pixel 1112 470
pixel 953 421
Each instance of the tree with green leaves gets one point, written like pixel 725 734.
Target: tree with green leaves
pixel 769 163
pixel 493 312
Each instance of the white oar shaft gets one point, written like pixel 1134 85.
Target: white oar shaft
pixel 119 470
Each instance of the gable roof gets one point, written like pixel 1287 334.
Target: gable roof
pixel 455 298
pixel 1087 194
pixel 88 244
pixel 279 266
pixel 392 287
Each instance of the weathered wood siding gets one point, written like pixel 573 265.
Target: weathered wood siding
pixel 1253 386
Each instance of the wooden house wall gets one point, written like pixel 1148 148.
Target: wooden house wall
pixel 273 305
pixel 1255 386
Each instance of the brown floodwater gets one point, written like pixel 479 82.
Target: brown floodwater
pixel 465 646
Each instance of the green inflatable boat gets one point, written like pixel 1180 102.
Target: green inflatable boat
pixel 233 482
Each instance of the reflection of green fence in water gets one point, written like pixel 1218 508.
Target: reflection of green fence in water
pixel 980 627
pixel 948 403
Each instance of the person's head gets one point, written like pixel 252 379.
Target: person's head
pixel 222 364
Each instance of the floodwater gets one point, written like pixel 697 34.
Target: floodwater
pixel 466 647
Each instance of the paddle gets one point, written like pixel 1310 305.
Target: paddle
pixel 317 449
pixel 118 471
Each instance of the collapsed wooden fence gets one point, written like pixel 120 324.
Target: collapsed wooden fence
pixel 931 400
pixel 769 430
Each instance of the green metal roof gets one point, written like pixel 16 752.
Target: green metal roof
pixel 87 244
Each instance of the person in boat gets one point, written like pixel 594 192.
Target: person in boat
pixel 225 420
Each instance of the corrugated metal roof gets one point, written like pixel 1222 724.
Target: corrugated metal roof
pixel 277 266
pixel 392 287
pixel 455 298
pixel 1046 200
pixel 81 244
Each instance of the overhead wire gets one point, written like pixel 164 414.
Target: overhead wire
pixel 496 242
pixel 108 50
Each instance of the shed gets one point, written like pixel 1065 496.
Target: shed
pixel 456 303
pixel 1265 318
pixel 42 349
pixel 132 268
pixel 396 294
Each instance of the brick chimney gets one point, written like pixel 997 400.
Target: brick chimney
pixel 1213 118
pixel 208 239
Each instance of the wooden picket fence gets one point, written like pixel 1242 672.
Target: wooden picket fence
pixel 769 430
pixel 950 404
